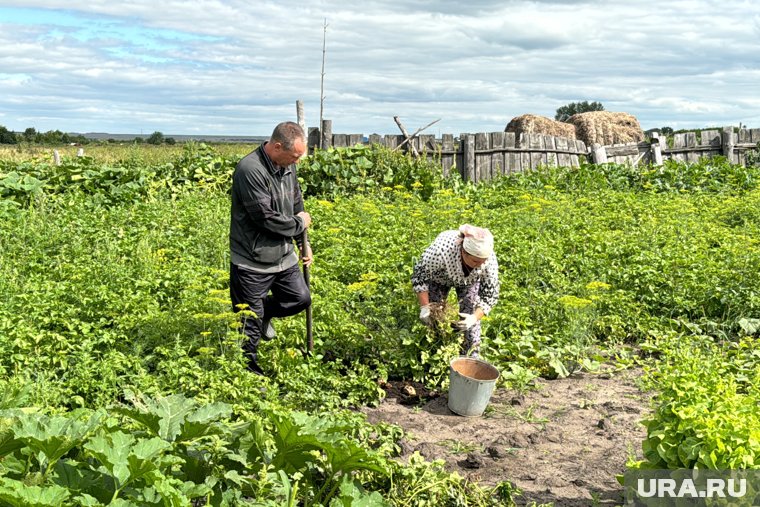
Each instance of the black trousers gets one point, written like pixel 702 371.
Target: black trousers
pixel 289 296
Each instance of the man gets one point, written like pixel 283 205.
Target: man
pixel 463 259
pixel 267 215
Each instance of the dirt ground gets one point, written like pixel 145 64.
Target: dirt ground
pixel 562 442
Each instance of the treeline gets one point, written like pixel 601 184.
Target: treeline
pixel 32 136
pixel 56 137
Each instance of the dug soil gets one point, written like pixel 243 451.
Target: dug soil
pixel 562 441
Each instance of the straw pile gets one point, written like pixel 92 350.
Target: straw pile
pixel 534 124
pixel 606 127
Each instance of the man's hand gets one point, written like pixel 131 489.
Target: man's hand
pixel 468 320
pixel 306 255
pixel 306 219
pixel 425 314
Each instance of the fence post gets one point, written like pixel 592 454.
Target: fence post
pixel 299 115
pixel 56 157
pixel 313 139
pixel 656 149
pixel 468 156
pixel 728 143
pixel 80 152
pixel 326 134
pixel 598 154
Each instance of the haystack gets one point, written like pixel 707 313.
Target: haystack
pixel 606 127
pixel 534 124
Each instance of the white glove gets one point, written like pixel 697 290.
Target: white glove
pixel 425 314
pixel 468 320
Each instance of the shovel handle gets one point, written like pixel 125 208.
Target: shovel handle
pixel 306 278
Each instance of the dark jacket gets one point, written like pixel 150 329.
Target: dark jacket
pixel 265 200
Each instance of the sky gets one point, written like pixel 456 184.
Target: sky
pixel 237 68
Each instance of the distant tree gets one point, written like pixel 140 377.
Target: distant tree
pixel 666 131
pixel 7 136
pixel 30 135
pixel 139 140
pixel 566 111
pixel 156 138
pixel 171 141
pixel 53 137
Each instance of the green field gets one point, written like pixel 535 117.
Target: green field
pixel 121 377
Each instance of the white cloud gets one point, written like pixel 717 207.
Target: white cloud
pixel 230 67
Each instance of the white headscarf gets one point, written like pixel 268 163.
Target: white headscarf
pixel 477 241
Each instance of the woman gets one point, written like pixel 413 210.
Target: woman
pixel 463 259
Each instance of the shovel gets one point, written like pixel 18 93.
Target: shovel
pixel 309 336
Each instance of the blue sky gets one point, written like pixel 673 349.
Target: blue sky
pixel 237 68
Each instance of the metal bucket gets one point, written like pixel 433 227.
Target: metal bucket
pixel 471 383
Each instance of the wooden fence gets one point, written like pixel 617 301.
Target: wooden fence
pixel 486 155
pixel 686 147
pixel 477 157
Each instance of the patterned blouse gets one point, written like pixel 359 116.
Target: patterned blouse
pixel 441 262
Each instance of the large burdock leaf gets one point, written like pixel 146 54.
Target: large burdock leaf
pixel 162 416
pixel 294 447
pixel 54 436
pixel 18 494
pixel 347 457
pixel 200 422
pixel 112 451
pixel 70 476
pixel 127 459
pixel 9 443
pixel 176 418
pixel 143 456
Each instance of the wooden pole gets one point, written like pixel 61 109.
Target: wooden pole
pixel 728 143
pixel 299 115
pixel 656 148
pixel 415 133
pixel 326 138
pixel 406 135
pixel 307 279
pixel 322 86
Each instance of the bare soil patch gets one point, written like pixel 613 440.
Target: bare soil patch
pixel 562 442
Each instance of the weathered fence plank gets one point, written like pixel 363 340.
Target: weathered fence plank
pixel 468 155
pixel 482 159
pixel 728 143
pixel 551 154
pixel 524 153
pixel 598 154
pixel 340 140
pixel 497 154
pixel 511 158
pixel 563 158
pixel 691 142
pixel 447 146
pixel 656 149
pixel 537 155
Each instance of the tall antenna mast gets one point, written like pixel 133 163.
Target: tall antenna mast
pixel 322 86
